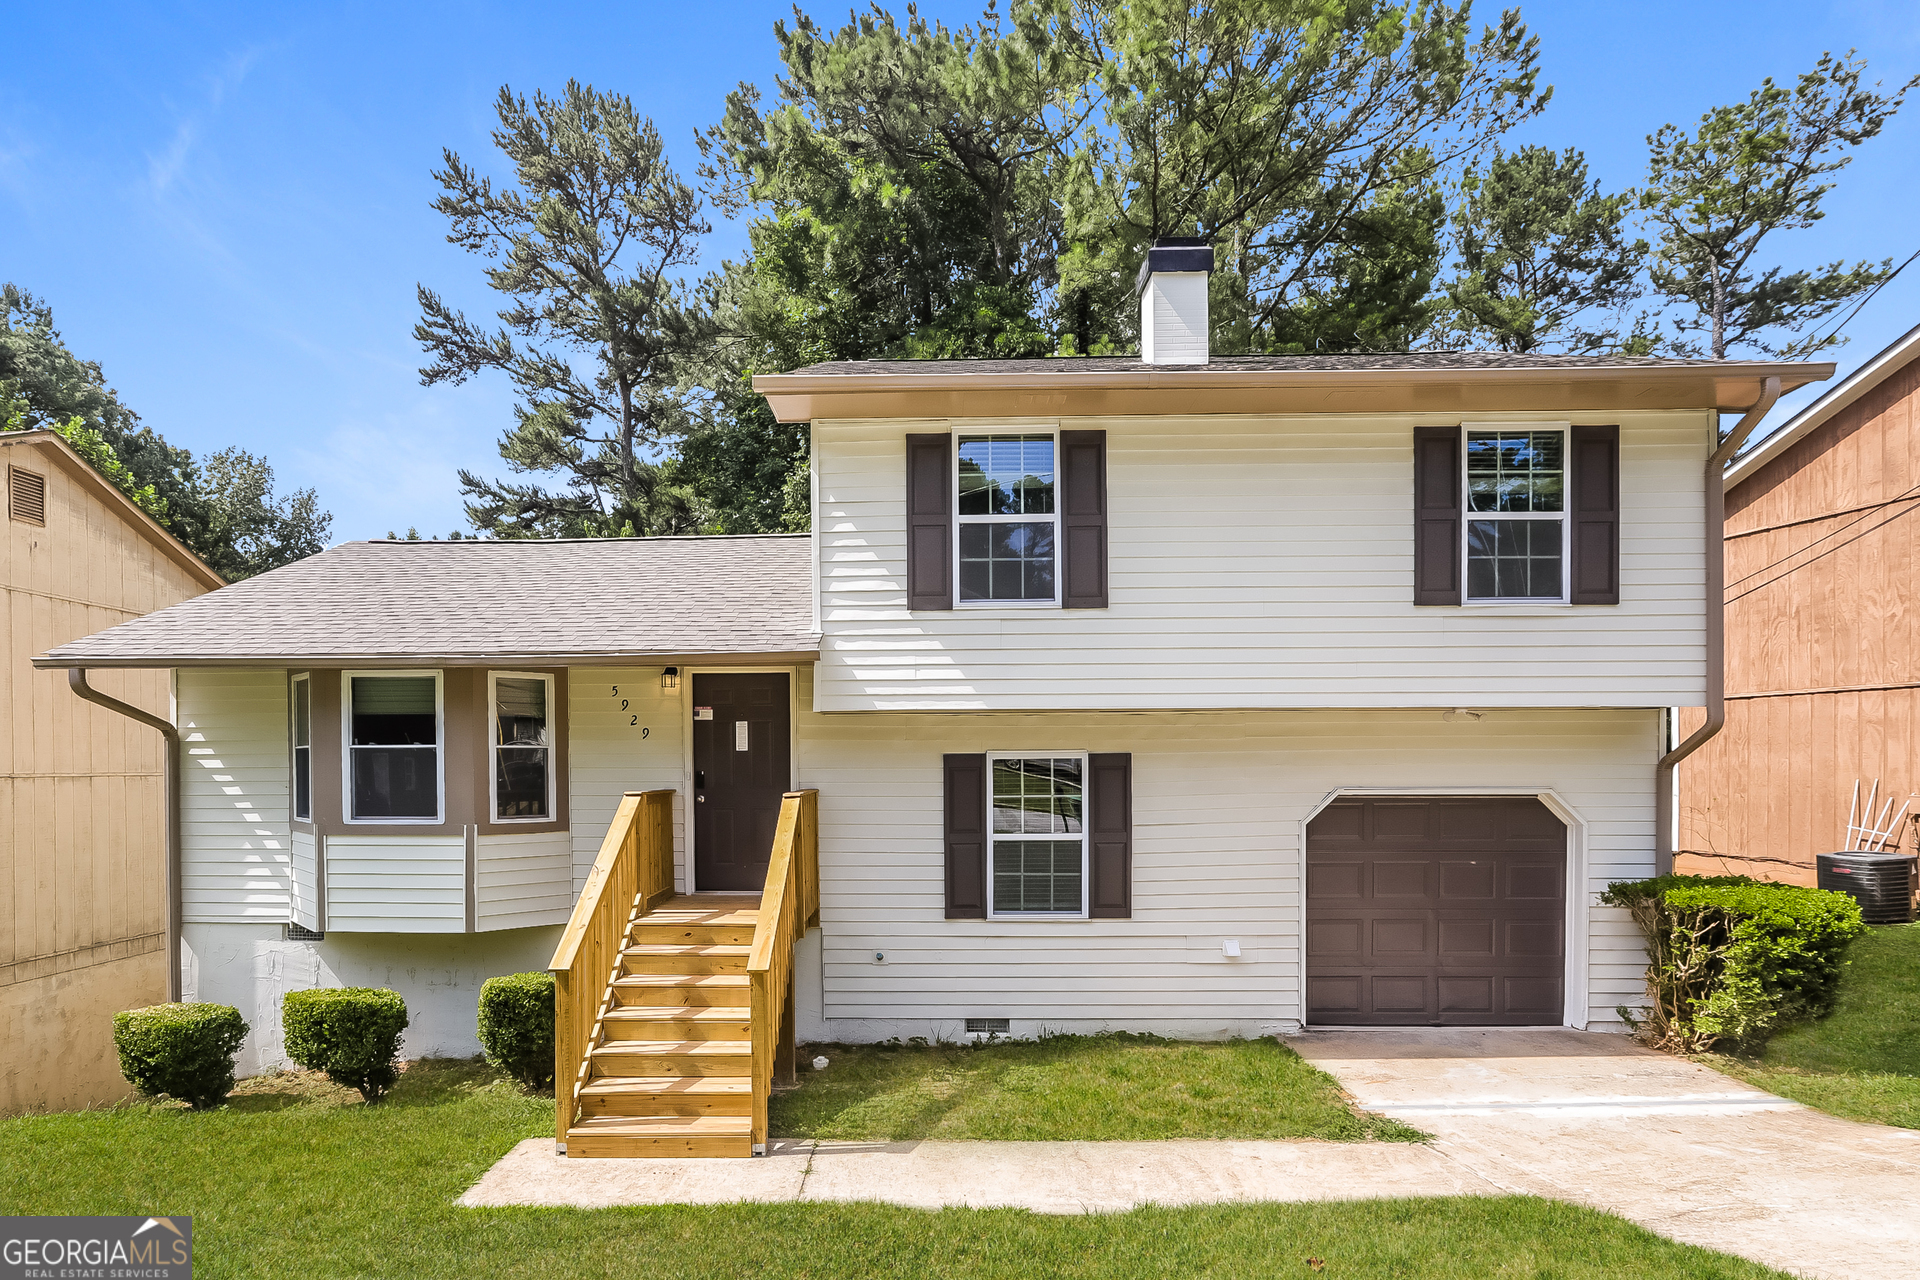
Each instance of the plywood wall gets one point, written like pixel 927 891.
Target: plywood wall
pixel 81 841
pixel 1823 643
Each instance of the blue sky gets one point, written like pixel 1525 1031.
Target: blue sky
pixel 228 204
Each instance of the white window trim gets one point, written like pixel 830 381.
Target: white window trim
pixel 493 748
pixel 1564 516
pixel 439 749
pixel 1086 868
pixel 294 748
pixel 1006 429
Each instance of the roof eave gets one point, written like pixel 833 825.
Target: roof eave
pixel 1729 387
pixel 1890 360
pixel 55 660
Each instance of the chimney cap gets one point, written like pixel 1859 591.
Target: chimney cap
pixel 1175 253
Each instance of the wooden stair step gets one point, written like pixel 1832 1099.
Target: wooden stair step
pixel 647 957
pixel 661 1136
pixel 672 1058
pixel 683 989
pixel 667 1096
pixel 649 930
pixel 676 1022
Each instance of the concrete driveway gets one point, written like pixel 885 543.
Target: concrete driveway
pixel 1678 1148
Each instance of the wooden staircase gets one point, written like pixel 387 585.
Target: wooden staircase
pixel 671 1071
pixel 691 1021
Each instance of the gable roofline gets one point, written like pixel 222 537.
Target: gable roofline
pixel 1417 382
pixel 1882 366
pixel 78 468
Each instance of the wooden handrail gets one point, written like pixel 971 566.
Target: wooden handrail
pixel 788 906
pixel 633 870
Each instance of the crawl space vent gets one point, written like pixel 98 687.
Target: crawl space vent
pixel 300 933
pixel 989 1026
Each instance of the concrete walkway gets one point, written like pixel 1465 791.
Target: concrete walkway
pixel 1592 1119
pixel 1678 1148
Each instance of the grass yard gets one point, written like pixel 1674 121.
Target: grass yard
pixel 1105 1088
pixel 1863 1060
pixel 297 1178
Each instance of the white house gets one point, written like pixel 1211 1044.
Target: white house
pixel 1206 696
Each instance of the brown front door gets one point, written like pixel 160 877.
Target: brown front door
pixel 1436 912
pixel 742 765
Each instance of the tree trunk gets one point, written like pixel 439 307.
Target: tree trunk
pixel 1719 310
pixel 626 441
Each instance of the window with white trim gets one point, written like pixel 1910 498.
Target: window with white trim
pixel 522 746
pixel 1037 839
pixel 1006 544
pixel 1516 525
pixel 394 727
pixel 302 749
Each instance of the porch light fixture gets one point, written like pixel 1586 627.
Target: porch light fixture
pixel 670 678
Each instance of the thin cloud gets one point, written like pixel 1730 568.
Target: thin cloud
pixel 165 168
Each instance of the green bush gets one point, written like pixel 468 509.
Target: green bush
pixel 184 1051
pixel 516 1026
pixel 1734 959
pixel 351 1033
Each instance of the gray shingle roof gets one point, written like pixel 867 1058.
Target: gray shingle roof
pixel 550 602
pixel 1383 362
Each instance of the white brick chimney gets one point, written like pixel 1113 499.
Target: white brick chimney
pixel 1173 301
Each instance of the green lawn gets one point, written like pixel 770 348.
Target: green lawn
pixel 1107 1088
pixel 296 1178
pixel 1863 1060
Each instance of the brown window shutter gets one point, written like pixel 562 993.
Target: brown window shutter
pixel 966 835
pixel 1436 515
pixel 1596 515
pixel 1083 519
pixel 930 521
pixel 1110 835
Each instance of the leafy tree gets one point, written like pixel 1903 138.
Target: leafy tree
pixel 1541 250
pixel 1748 170
pixel 586 248
pixel 1300 137
pixel 227 512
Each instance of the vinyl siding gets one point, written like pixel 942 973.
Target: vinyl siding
pixel 1220 800
pixel 1259 562
pixel 306 905
pixel 236 856
pixel 609 755
pixel 396 884
pixel 521 881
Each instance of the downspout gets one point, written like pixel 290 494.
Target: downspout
pixel 170 784
pixel 1665 817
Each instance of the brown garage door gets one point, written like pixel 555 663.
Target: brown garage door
pixel 1436 912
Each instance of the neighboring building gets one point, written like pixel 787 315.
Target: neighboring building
pixel 82 818
pixel 1209 698
pixel 1823 633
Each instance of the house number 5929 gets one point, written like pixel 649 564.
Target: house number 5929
pixel 633 718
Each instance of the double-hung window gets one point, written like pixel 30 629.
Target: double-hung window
pixel 1037 834
pixel 1516 523
pixel 1008 519
pixel 522 747
pixel 303 749
pixel 394 725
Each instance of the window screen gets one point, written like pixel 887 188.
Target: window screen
pixel 1008 521
pixel 395 747
pixel 1038 836
pixel 522 747
pixel 303 749
pixel 1516 523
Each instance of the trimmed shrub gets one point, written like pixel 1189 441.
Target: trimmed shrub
pixel 516 1026
pixel 351 1033
pixel 183 1051
pixel 1734 959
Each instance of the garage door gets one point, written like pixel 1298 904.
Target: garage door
pixel 1436 912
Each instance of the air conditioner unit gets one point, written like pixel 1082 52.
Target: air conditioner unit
pixel 1882 883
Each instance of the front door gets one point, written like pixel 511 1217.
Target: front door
pixel 1436 912
pixel 742 766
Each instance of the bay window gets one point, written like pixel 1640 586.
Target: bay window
pixel 522 746
pixel 394 725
